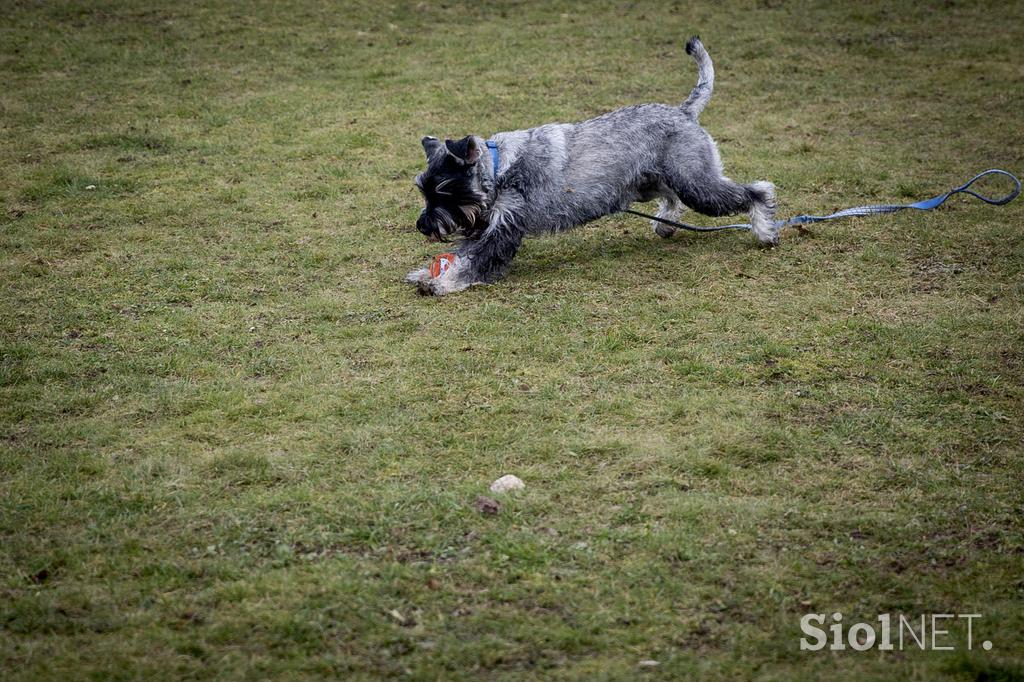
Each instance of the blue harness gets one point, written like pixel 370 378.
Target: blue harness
pixel 493 146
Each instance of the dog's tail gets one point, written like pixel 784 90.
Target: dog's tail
pixel 701 92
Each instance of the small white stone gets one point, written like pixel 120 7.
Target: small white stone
pixel 90 186
pixel 648 663
pixel 507 483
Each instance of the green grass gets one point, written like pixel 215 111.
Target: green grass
pixel 234 445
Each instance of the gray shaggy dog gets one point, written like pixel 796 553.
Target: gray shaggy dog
pixel 560 175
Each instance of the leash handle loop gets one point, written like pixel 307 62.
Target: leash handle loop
pixel 1001 201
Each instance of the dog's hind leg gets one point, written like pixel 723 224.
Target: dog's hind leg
pixel 762 211
pixel 718 196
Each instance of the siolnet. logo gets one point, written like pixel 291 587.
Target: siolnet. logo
pixel 934 631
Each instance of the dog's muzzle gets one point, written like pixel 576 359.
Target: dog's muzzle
pixel 431 229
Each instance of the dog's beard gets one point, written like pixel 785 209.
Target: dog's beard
pixel 437 224
pixel 468 218
pixel 476 219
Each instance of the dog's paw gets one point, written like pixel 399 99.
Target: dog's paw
pixel 441 286
pixel 456 277
pixel 766 231
pixel 432 287
pixel 663 231
pixel 418 277
pixel 768 238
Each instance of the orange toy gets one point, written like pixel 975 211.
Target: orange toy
pixel 441 263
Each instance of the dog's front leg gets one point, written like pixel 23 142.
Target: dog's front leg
pixel 455 278
pixel 477 261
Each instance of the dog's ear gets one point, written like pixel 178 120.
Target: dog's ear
pixel 466 151
pixel 430 145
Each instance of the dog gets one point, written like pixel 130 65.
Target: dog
pixel 561 175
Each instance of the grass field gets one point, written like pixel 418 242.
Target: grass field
pixel 235 446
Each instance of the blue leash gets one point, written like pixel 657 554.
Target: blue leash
pixel 925 205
